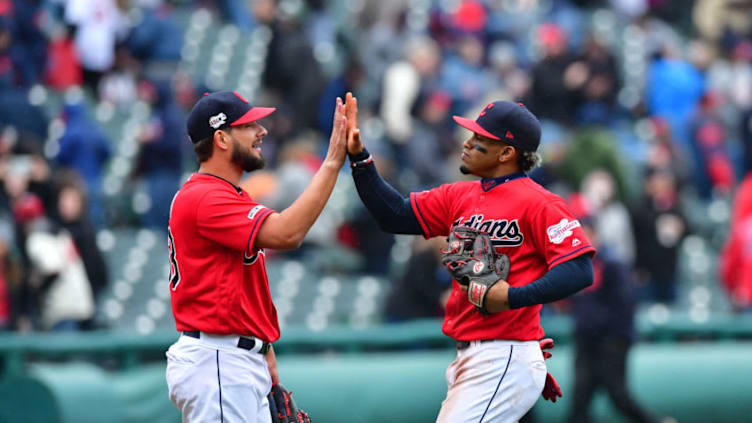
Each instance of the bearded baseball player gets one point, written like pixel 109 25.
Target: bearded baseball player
pixel 223 366
pixel 512 246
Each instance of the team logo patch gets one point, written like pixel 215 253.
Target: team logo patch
pixel 217 120
pixel 503 232
pixel 478 267
pixel 561 231
pixel 254 211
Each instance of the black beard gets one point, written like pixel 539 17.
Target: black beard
pixel 247 161
pixel 464 170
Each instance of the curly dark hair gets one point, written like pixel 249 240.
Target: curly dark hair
pixel 528 160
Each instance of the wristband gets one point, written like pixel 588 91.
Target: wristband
pixel 362 163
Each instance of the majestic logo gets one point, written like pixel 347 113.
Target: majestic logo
pixel 561 231
pixel 254 211
pixel 503 233
pixel 576 242
pixel 478 267
pixel 217 120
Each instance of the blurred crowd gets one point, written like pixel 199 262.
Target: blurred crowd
pixel 646 108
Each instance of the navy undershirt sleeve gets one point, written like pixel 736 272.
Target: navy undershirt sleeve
pixel 391 210
pixel 561 281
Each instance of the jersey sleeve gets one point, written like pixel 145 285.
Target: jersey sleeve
pixel 558 235
pixel 230 220
pixel 432 209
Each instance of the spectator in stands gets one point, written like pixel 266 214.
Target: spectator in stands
pixel 464 76
pixel 604 333
pixel 60 282
pixel 119 87
pixel 432 140
pixel 73 217
pixel 423 288
pixel 597 86
pixel 383 27
pixel 659 228
pixel 85 148
pixel 28 44
pixel 98 25
pixel 403 82
pixel 664 153
pixel 714 171
pixel 288 52
pixel 512 79
pixel 157 42
pixel 553 79
pixel 8 66
pixel 674 89
pixel 610 217
pixel 160 161
pixel 63 69
pixel 370 240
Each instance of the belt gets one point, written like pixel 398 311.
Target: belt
pixel 461 345
pixel 243 342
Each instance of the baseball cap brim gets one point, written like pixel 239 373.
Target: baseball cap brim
pixel 473 126
pixel 253 115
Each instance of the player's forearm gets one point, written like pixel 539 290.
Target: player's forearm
pixel 558 283
pixel 392 211
pixel 294 222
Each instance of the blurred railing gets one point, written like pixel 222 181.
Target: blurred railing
pixel 125 350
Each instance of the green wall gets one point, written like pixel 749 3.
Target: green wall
pixel 693 382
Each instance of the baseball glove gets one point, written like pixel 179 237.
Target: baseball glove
pixel 283 408
pixel 472 261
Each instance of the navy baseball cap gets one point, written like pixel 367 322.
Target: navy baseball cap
pixel 506 121
pixel 220 110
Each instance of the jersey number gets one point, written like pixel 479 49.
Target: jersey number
pixel 174 270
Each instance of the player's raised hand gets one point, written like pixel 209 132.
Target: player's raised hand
pixel 354 143
pixel 338 140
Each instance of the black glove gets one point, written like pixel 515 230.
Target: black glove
pixel 282 407
pixel 472 261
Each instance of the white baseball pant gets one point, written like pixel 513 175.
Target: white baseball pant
pixel 493 382
pixel 210 379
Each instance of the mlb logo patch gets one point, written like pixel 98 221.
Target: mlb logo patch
pixel 217 120
pixel 254 211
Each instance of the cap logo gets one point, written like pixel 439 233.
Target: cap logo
pixel 217 120
pixel 240 97
pixel 488 107
pixel 509 135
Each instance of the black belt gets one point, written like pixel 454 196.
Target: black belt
pixel 461 345
pixel 244 343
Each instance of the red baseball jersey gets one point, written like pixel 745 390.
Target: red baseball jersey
pixel 526 222
pixel 218 280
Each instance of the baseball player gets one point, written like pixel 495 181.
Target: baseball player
pixel 223 365
pixel 500 369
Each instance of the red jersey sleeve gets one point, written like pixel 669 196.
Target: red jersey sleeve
pixel 558 235
pixel 432 209
pixel 230 220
